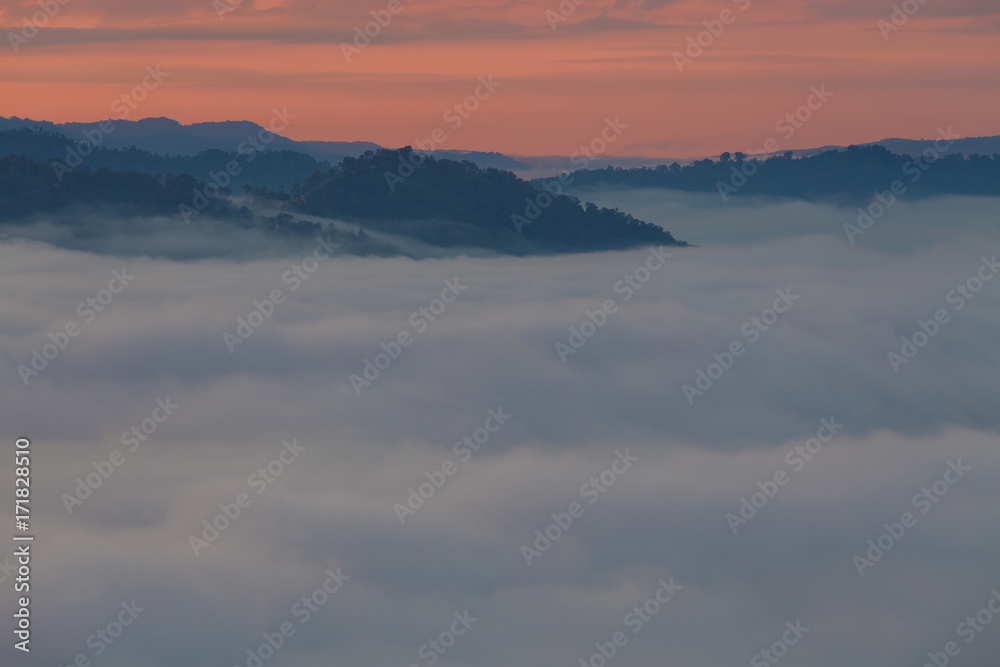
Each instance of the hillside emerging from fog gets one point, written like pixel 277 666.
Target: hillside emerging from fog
pixel 442 203
pixel 402 195
pixel 448 203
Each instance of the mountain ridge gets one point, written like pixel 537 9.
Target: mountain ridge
pixel 163 136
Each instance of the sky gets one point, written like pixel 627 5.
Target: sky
pixel 821 370
pixel 561 70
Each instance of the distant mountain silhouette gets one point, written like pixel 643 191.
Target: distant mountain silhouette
pixel 846 176
pixel 484 160
pixel 275 169
pixel 850 176
pixel 913 147
pixel 966 147
pixel 163 136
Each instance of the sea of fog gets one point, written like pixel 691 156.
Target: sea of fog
pixel 777 440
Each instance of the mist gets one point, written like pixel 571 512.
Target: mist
pixel 816 373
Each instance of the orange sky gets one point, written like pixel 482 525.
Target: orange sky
pixel 609 58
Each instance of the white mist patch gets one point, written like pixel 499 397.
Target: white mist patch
pixel 666 520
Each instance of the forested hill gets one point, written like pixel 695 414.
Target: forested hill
pixel 849 176
pixel 441 202
pixel 29 187
pixel 451 203
pixel 126 212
